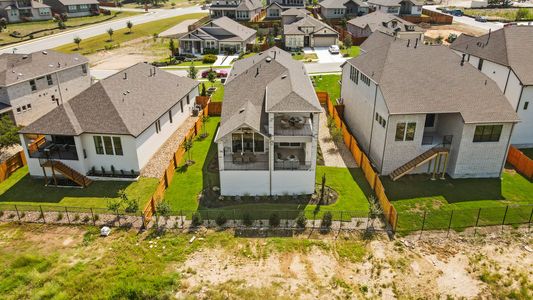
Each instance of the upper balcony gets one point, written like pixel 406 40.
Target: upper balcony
pixel 61 149
pixel 293 126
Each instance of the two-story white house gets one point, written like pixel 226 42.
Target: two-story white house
pixel 33 84
pixel 397 7
pixel 420 109
pixel 241 10
pixel 306 31
pixel 338 9
pixel 268 134
pixel 218 35
pixel 506 56
pixel 113 128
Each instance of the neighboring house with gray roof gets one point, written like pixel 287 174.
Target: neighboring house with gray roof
pixel 338 9
pixel 275 8
pixel 417 108
pixel 506 56
pixel 75 8
pixel 117 124
pixel 33 84
pixel 293 14
pixel 306 31
pixel 25 10
pixel 397 7
pixel 218 35
pixel 240 10
pixel 267 139
pixel 364 26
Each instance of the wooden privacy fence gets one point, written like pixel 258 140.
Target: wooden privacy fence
pixel 362 160
pixel 215 108
pixel 522 163
pixel 437 17
pixel 12 164
pixel 166 179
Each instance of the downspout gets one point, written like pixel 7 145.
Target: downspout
pixel 507 150
pixel 372 120
pixel 507 81
pixel 384 145
pixel 519 98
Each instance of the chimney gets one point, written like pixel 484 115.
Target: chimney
pixel 416 43
pixel 463 60
pixel 125 75
pixel 408 43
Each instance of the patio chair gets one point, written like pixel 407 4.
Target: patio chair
pixel 285 124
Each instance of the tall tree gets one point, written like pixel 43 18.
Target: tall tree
pixel 193 72
pixel 8 132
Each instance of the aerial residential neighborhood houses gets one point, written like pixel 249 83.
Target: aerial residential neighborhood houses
pixel 267 140
pixel 75 8
pixel 338 9
pixel 218 35
pixel 306 31
pixel 397 7
pixel 33 84
pixel 275 8
pixel 505 57
pixel 29 10
pixel 242 10
pixel 364 26
pixel 462 128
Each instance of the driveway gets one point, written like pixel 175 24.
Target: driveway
pixel 324 56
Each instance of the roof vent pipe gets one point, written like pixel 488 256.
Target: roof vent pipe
pixel 257 72
pixel 125 75
pixel 416 43
pixel 463 60
pixel 408 43
pixel 488 38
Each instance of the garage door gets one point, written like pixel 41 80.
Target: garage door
pixel 325 41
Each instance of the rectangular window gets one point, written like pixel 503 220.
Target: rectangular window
pixel 259 143
pixel 98 144
pixel 236 142
pixel 377 117
pixel 181 105
pixel 400 132
pixel 430 120
pixel 405 131
pixel 108 145
pixel 188 100
pixel 49 79
pixel 29 106
pixel 526 105
pixel 33 85
pixel 487 133
pixel 365 79
pixel 23 107
pixel 117 144
pixel 410 134
pixel 354 74
pixel 170 116
pixel 157 126
pixel 19 110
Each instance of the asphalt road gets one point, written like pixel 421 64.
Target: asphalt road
pixel 90 31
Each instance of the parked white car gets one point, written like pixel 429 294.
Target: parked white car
pixel 334 49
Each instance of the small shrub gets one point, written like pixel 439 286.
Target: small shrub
pixel 301 221
pixel 163 208
pixel 1 213
pixel 11 216
pixel 209 58
pixel 22 214
pixel 247 220
pixel 59 216
pixel 76 217
pixel 132 205
pixel 327 220
pixel 86 219
pixel 274 220
pixel 221 219
pixel 196 220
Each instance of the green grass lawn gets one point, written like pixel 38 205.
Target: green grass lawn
pixel 21 189
pixel 26 28
pixel 101 41
pixel 182 195
pixel 328 83
pixel 353 51
pixel 218 95
pixel 509 14
pixel 414 194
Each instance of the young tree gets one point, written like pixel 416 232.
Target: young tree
pixel 110 32
pixel 193 72
pixel 77 41
pixel 211 77
pixel 348 41
pixel 204 92
pixel 3 24
pixel 129 24
pixel 8 133
pixel 205 119
pixel 172 47
pixel 187 145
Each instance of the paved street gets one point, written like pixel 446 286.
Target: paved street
pixel 470 21
pixel 87 32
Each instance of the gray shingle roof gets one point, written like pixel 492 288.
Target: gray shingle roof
pixel 341 3
pixel 383 22
pixel 394 2
pixel 117 105
pixel 250 5
pixel 510 46
pixel 222 29
pixel 430 79
pixel 78 2
pixel 306 21
pixel 295 12
pixel 16 68
pixel 270 81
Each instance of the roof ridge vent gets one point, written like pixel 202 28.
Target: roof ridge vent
pixel 44 52
pixel 268 59
pixel 283 76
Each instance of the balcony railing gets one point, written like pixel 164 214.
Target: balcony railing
pixel 292 165
pixel 293 127
pixel 246 161
pixel 51 150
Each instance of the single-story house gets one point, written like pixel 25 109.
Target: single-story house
pixel 307 31
pixel 338 9
pixel 397 7
pixel 415 108
pixel 218 35
pixel 28 10
pixel 75 8
pixel 364 26
pixel 112 128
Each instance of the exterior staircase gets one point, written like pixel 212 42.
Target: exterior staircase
pixel 418 161
pixel 68 172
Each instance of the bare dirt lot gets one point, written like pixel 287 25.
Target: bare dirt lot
pixel 445 30
pixel 221 265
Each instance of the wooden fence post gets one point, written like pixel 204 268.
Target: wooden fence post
pixel 92 214
pixel 423 223
pixel 450 224
pixel 17 210
pixel 42 213
pixel 477 221
pixel 68 217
